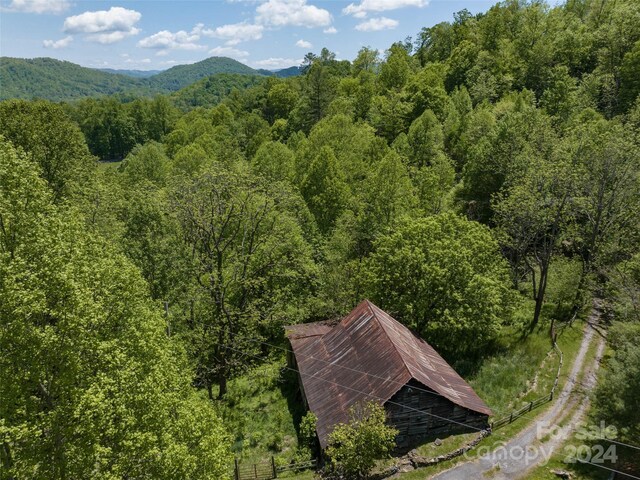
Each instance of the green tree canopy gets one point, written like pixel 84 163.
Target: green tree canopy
pixel 443 276
pixel 44 131
pixel 90 385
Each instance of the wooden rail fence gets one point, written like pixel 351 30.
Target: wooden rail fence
pixel 519 413
pixel 267 470
pixel 535 403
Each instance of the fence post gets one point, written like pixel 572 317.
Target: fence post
pixel 530 406
pixel 236 473
pixel 255 470
pixel 273 467
pixel 551 396
pixel 511 417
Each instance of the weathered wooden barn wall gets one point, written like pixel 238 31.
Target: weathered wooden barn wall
pixel 438 417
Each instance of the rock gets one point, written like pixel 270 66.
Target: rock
pixel 438 442
pixel 562 474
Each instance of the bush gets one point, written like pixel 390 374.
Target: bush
pixel 354 447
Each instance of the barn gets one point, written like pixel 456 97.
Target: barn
pixel 371 356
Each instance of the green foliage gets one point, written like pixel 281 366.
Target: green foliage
pixel 533 214
pixel 43 130
pixel 425 139
pixel 616 398
pixel 90 384
pixel 210 91
pixel 180 76
pixel 274 161
pixel 146 163
pixel 112 128
pixel 308 429
pixel 249 267
pixel 444 277
pixel 354 447
pixel 281 100
pixel 56 80
pixel 263 201
pixel 625 289
pixel 324 189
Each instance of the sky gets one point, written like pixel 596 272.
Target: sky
pixel 157 34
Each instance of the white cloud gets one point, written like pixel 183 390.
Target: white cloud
pixel 279 13
pixel 236 32
pixel 330 30
pixel 229 52
pixel 62 43
pixel 361 9
pixel 111 37
pixel 376 24
pixel 105 26
pixel 303 44
pixel 277 62
pixel 38 6
pixel 164 40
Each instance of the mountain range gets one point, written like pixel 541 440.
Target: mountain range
pixel 58 80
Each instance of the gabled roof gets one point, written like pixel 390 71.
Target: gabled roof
pixel 331 361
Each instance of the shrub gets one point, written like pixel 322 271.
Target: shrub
pixel 355 446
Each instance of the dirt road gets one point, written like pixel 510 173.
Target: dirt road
pixel 513 459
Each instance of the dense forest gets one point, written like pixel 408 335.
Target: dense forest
pixel 446 179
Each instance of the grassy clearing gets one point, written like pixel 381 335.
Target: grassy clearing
pixel 262 414
pixel 103 166
pixel 505 380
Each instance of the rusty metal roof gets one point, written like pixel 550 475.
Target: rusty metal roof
pixel 331 361
pixel 306 332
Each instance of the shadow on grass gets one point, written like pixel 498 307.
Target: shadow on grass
pixel 290 390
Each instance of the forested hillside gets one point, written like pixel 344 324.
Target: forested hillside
pixel 210 91
pixel 180 76
pixel 478 182
pixel 55 80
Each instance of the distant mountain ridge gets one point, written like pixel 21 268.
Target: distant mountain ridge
pixel 59 80
pixel 131 73
pixel 180 76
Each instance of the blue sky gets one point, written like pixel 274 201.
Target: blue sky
pixel 156 34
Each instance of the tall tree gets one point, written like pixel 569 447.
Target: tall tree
pixel 444 276
pixel 249 265
pixel 609 190
pixel 534 214
pixel 324 189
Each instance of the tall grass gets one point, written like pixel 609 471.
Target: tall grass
pixel 507 376
pixel 262 411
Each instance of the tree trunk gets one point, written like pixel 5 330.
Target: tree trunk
pixel 222 383
pixel 542 286
pixel 577 299
pixel 210 390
